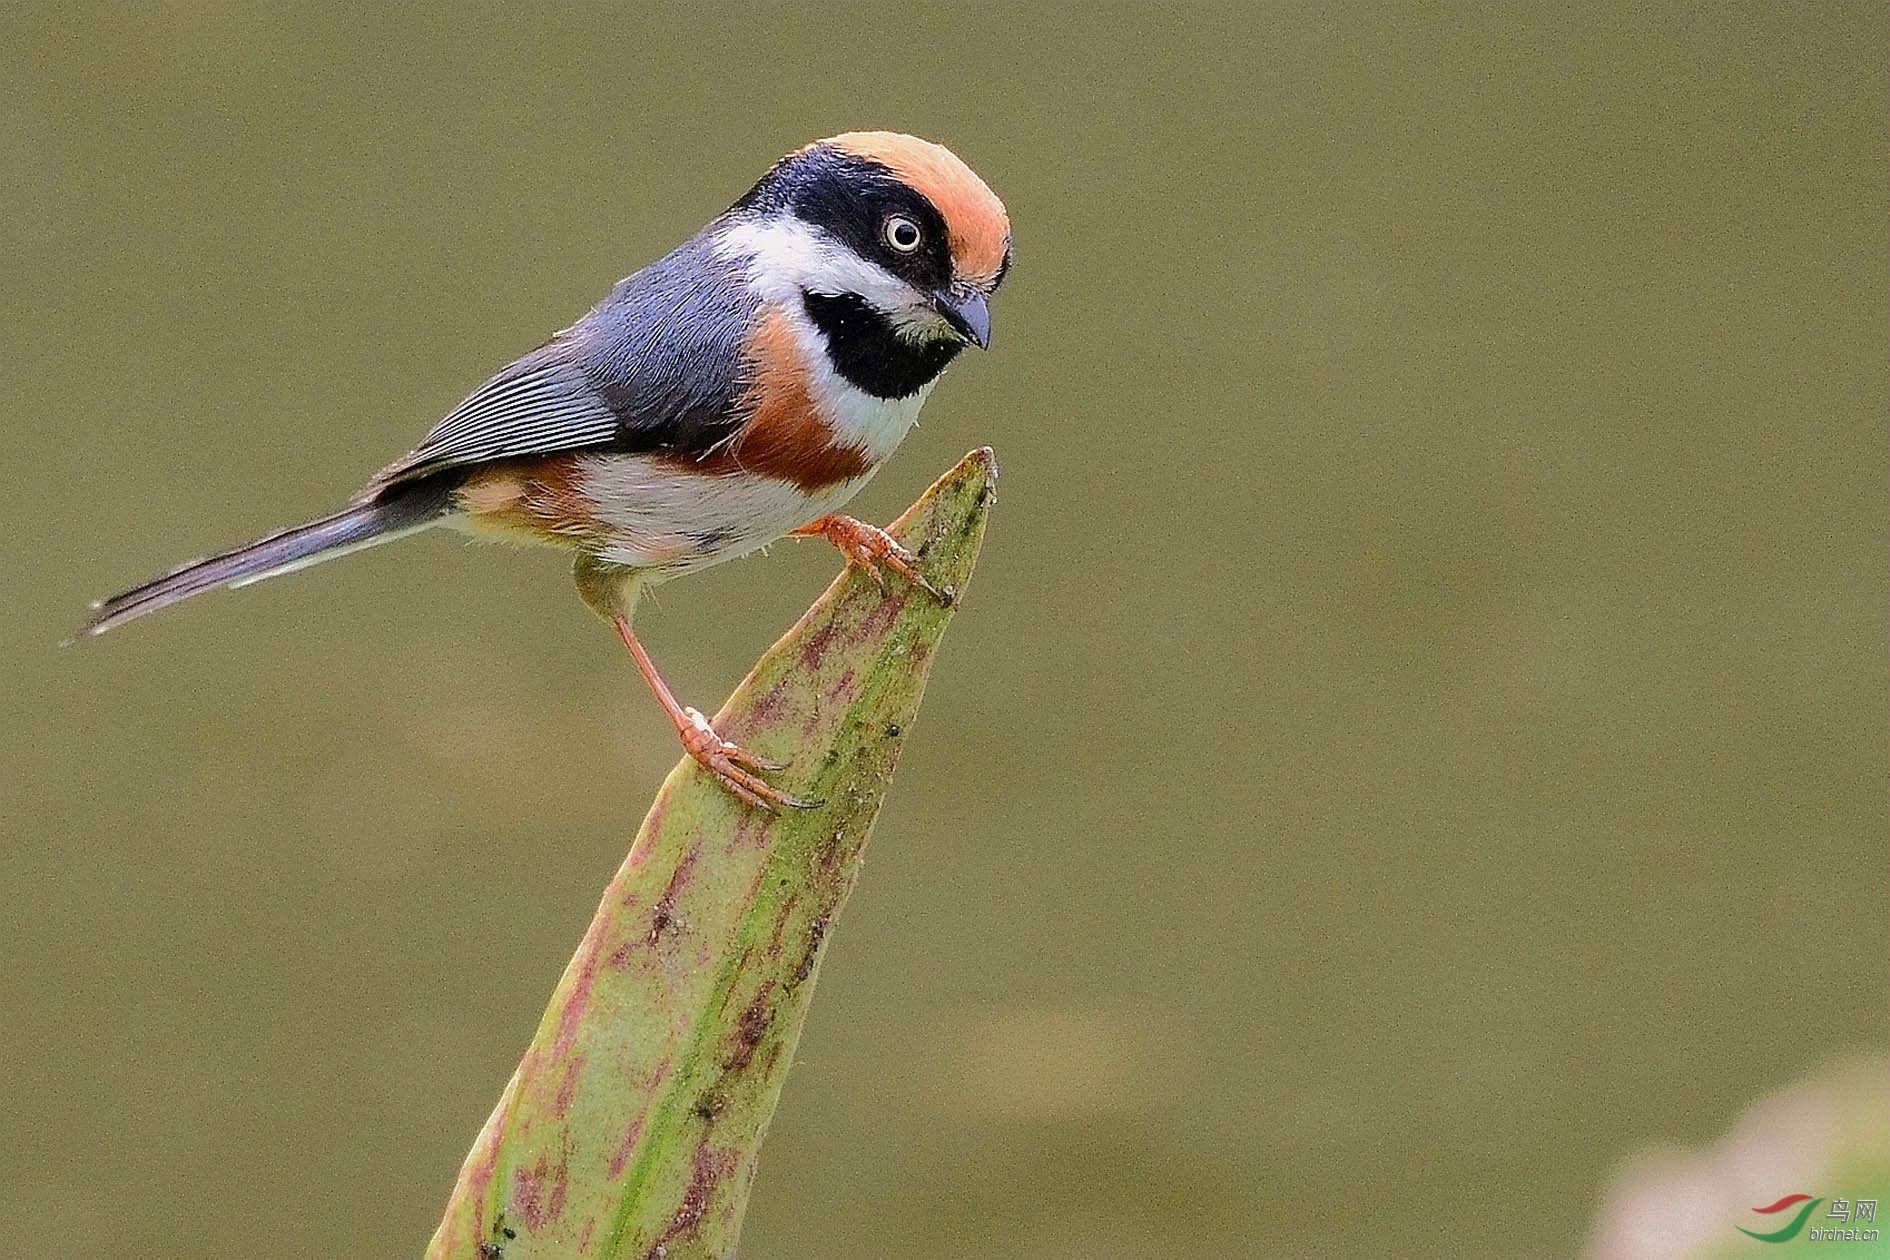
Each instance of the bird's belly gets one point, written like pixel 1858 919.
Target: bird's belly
pixel 662 515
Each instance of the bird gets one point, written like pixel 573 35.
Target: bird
pixel 736 391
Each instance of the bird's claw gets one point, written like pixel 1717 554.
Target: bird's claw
pixel 738 769
pixel 872 549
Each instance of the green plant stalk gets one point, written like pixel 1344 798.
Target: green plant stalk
pixel 633 1123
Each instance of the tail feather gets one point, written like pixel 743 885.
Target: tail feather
pixel 356 527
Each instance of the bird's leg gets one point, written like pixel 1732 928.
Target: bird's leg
pixel 737 768
pixel 870 548
pixel 611 593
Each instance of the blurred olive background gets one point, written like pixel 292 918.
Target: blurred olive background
pixel 1417 737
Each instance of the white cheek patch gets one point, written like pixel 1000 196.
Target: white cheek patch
pixel 786 255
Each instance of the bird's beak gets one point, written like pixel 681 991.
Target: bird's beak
pixel 969 315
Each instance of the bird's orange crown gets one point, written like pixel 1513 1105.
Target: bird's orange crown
pixel 978 224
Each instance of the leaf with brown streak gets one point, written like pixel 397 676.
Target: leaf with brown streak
pixel 633 1123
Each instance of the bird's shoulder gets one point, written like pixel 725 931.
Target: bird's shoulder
pixel 667 349
pixel 659 364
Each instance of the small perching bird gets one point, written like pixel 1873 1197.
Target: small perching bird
pixel 738 390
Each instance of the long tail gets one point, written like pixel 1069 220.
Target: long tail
pixel 400 512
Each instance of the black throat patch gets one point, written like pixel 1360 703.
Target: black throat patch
pixel 869 353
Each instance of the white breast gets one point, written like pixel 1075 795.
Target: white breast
pixel 671 520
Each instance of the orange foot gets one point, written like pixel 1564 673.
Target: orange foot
pixel 870 548
pixel 734 767
pixel 737 768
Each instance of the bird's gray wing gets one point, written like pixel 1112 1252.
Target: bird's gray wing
pixel 541 404
pixel 659 363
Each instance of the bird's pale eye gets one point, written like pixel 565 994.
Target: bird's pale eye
pixel 902 233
